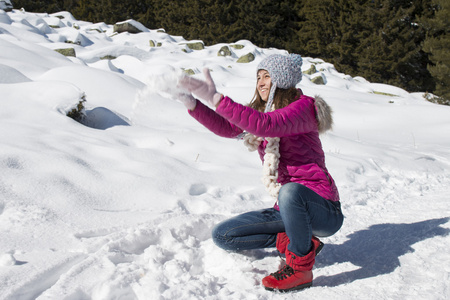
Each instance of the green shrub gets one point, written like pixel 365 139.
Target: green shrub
pixel 78 113
pixel 436 99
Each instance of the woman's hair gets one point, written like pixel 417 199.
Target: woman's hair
pixel 282 98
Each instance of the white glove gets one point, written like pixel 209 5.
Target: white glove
pixel 166 85
pixel 205 90
pixel 188 100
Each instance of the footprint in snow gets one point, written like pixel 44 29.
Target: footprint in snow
pixel 197 189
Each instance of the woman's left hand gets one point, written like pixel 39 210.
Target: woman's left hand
pixel 205 90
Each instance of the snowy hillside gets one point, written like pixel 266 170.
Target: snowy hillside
pixel 123 208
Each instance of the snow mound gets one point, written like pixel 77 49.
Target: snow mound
pixel 11 75
pixel 103 118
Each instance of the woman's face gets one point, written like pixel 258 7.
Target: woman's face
pixel 263 84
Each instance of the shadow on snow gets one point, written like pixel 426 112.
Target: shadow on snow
pixel 376 250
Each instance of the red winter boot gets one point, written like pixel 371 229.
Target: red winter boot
pixel 283 242
pixel 296 274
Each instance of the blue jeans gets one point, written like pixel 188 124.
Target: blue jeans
pixel 303 213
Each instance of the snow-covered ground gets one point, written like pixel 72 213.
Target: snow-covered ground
pixel 123 208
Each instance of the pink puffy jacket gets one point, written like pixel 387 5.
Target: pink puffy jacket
pixel 302 159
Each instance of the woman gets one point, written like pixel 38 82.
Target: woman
pixel 283 125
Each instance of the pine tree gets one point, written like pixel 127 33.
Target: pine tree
pixel 437 44
pixel 391 53
pixel 266 23
pixel 316 28
pixel 32 6
pixel 85 10
pixel 349 30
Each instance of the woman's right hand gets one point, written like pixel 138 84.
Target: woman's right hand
pixel 188 100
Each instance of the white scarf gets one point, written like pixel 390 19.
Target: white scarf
pixel 271 160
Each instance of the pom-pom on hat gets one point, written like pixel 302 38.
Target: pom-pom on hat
pixel 285 72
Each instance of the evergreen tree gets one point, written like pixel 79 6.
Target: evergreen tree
pixel 437 44
pixel 349 31
pixel 391 53
pixel 266 23
pixel 85 10
pixel 48 6
pixel 32 6
pixel 316 28
pixel 332 30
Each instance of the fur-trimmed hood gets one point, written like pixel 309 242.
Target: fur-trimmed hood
pixel 324 114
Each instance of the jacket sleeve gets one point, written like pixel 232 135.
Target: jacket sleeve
pixel 214 122
pixel 296 118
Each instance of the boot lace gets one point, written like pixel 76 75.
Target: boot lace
pixel 283 273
